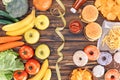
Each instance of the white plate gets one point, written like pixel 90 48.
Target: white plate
pixel 106 26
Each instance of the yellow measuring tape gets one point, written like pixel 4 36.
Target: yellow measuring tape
pixel 57 30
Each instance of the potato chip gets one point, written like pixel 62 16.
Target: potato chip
pixel 116 9
pixel 118 2
pixel 103 1
pixel 110 3
pixel 118 16
pixel 98 3
pixel 110 9
pixel 104 10
pixel 111 16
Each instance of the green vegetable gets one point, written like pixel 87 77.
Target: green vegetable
pixel 6 15
pixel 5 21
pixel 5 2
pixel 9 63
pixel 17 8
pixel 6 75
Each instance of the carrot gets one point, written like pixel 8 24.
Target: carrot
pixel 10 45
pixel 6 39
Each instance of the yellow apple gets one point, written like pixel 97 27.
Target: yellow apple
pixel 42 22
pixel 42 51
pixel 32 36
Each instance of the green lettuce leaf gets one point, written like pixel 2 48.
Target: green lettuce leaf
pixel 9 62
pixel 6 75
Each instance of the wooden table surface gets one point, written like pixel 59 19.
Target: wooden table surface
pixel 73 42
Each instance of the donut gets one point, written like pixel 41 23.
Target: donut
pixel 98 71
pixel 105 58
pixel 117 57
pixel 81 74
pixel 92 52
pixel 80 58
pixel 112 74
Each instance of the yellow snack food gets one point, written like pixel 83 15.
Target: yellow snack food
pixel 112 39
pixel 110 9
pixel 81 74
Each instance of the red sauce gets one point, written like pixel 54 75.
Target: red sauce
pixel 75 26
pixel 78 3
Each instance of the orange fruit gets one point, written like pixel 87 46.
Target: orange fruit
pixel 42 5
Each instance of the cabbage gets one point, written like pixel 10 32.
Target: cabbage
pixel 9 62
pixel 17 8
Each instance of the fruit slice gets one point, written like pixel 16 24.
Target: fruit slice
pixel 42 51
pixel 42 22
pixel 32 36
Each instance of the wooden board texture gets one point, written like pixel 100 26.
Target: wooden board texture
pixel 73 42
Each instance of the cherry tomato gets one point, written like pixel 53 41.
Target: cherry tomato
pixel 26 52
pixel 32 66
pixel 20 75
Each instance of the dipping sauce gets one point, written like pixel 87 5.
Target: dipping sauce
pixel 75 26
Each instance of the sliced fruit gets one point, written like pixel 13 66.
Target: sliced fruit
pixel 42 51
pixel 32 36
pixel 42 22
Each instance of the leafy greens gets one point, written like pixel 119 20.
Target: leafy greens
pixel 17 8
pixel 9 63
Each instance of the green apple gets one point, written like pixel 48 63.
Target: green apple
pixel 32 36
pixel 42 51
pixel 42 22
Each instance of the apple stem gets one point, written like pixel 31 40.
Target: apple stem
pixel 30 67
pixel 41 52
pixel 25 52
pixel 41 23
pixel 19 72
pixel 30 35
